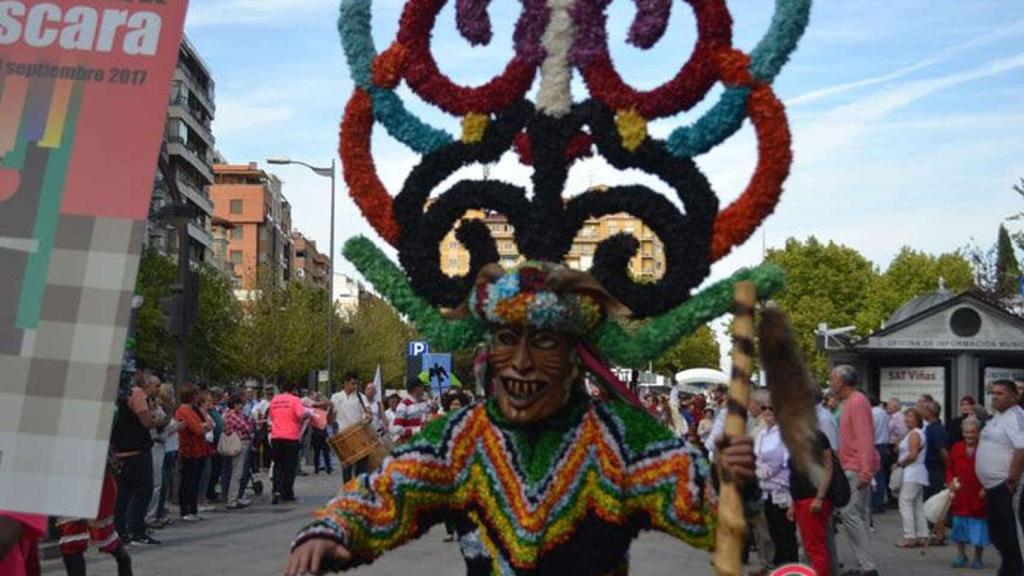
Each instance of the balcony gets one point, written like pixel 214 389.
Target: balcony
pixel 177 146
pixel 205 94
pixel 189 191
pixel 179 109
pixel 200 235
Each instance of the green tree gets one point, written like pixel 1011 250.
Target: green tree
pixel 213 338
pixel 284 333
pixel 1007 268
pixel 374 333
pixel 836 285
pixel 824 283
pixel 698 350
pixel 910 274
pixel 154 348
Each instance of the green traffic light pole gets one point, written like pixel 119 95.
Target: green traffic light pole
pixel 326 173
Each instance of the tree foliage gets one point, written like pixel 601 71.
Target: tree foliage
pixel 213 355
pixel 834 284
pixel 698 350
pixel 374 333
pixel 910 274
pixel 154 348
pixel 1007 268
pixel 284 334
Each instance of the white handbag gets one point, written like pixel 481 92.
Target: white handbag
pixel 896 480
pixel 935 508
pixel 229 445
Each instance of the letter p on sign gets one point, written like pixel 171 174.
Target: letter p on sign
pixel 418 349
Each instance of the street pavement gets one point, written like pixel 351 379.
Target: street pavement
pixel 255 542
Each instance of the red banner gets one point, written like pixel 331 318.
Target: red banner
pixel 84 91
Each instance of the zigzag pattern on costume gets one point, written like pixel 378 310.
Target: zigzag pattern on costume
pixel 527 492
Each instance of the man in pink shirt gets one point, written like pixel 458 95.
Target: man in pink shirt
pixel 286 414
pixel 859 460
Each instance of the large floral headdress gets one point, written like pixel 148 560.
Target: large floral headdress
pixel 542 295
pixel 558 38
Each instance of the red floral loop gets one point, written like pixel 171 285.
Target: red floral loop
pixel 735 224
pixel 424 77
pixel 686 89
pixel 359 171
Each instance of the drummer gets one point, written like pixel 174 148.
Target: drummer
pixel 350 410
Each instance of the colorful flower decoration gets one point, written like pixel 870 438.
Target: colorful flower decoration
pixel 523 296
pixel 551 38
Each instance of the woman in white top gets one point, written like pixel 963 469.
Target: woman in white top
pixel 915 479
pixel 773 478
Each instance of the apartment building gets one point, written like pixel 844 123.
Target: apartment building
pixel 259 247
pixel 309 265
pixel 648 263
pixel 188 148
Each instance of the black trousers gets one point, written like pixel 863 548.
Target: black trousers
pixel 321 450
pixel 188 492
pixel 285 454
pixel 1002 528
pixel 216 469
pixel 134 491
pixel 783 534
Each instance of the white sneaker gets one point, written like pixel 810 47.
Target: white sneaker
pixel 207 508
pixel 190 518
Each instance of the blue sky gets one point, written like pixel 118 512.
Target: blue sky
pixel 907 115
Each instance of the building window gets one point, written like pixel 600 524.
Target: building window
pixel 236 206
pixel 236 233
pixel 236 257
pixel 453 263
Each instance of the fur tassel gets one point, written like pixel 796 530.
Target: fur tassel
pixel 792 392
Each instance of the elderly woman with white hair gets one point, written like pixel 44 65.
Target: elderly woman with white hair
pixel 968 508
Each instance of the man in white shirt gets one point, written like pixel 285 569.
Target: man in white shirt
pixel 349 404
pixel 350 409
pixel 880 418
pixel 999 462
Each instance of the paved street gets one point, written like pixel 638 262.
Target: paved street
pixel 254 542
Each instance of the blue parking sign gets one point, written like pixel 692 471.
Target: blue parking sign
pixel 418 349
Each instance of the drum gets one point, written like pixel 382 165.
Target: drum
pixel 355 443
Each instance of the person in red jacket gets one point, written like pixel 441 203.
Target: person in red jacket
pixel 968 509
pixel 192 450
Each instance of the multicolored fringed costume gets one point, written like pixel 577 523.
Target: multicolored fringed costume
pixel 566 497
pixel 568 491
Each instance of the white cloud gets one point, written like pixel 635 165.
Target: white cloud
pixel 820 138
pixel 989 37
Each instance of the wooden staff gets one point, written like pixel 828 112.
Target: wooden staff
pixel 732 527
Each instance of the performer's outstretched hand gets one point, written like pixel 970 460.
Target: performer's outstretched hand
pixel 314 556
pixel 737 456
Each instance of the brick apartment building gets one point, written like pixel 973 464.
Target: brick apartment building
pixel 256 221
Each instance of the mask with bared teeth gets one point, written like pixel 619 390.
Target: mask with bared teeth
pixel 537 313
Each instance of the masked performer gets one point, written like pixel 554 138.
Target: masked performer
pixel 540 478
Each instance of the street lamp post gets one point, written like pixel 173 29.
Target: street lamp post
pixel 327 173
